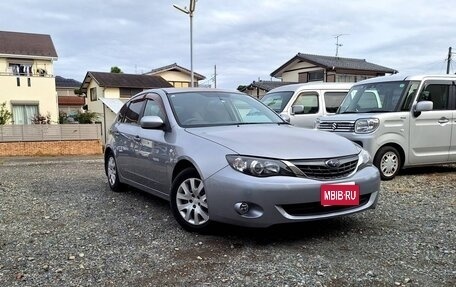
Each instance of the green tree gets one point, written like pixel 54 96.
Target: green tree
pixel 5 115
pixel 116 70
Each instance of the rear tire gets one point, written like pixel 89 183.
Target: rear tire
pixel 188 201
pixel 113 174
pixel 388 161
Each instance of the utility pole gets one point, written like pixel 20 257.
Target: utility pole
pixel 337 43
pixel 448 60
pixel 215 76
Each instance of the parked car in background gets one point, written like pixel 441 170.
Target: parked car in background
pixel 304 103
pixel 402 121
pixel 223 156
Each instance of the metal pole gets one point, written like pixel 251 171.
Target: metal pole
pixel 215 76
pixel 191 48
pixel 449 60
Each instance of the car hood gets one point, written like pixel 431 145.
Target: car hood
pixel 277 141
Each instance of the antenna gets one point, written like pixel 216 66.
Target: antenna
pixel 337 42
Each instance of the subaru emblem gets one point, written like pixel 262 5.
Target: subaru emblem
pixel 334 126
pixel 332 163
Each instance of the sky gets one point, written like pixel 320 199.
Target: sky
pixel 246 39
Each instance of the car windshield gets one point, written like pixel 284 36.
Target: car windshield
pixel 277 101
pixel 374 97
pixel 196 109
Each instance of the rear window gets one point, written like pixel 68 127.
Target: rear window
pixel 333 100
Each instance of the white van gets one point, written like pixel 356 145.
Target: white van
pixel 402 121
pixel 304 103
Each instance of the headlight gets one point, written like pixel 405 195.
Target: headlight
pixel 258 166
pixel 364 158
pixel 365 126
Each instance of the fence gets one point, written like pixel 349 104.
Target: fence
pixel 64 132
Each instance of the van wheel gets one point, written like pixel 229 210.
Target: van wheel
pixel 388 161
pixel 188 201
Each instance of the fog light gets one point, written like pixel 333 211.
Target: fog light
pixel 242 207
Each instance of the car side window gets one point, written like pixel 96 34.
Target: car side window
pixel 153 109
pixel 309 101
pixel 438 94
pixel 133 111
pixel 333 100
pixel 121 115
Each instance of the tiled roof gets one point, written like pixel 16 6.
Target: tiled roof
pixel 71 101
pixel 115 80
pixel 28 44
pixel 267 85
pixel 329 62
pixel 61 82
pixel 176 67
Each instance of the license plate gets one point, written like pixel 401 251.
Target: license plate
pixel 339 194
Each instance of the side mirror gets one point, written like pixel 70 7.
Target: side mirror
pixel 297 109
pixel 151 122
pixel 423 106
pixel 285 117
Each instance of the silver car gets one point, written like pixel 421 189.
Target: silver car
pixel 221 156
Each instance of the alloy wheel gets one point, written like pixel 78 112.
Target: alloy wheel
pixel 191 201
pixel 112 171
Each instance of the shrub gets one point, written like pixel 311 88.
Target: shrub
pixel 5 115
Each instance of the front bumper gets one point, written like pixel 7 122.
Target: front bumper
pixel 366 141
pixel 269 197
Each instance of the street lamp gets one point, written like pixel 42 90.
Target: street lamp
pixel 190 13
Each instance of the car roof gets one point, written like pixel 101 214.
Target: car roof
pixel 404 77
pixel 186 90
pixel 312 86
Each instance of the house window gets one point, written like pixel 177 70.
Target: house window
pixel 129 92
pixel 303 77
pixel 93 94
pixel 18 81
pixel 29 82
pixel 23 114
pixel 346 78
pixel 316 76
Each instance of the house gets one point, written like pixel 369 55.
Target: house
pixel 258 89
pixel 107 92
pixel 69 102
pixel 305 68
pixel 176 75
pixel 27 83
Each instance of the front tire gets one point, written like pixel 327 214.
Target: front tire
pixel 388 161
pixel 188 201
pixel 112 173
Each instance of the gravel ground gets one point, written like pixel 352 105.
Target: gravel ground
pixel 61 226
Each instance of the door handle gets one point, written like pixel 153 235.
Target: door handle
pixel 137 138
pixel 443 120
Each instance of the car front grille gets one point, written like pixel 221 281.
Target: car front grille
pixel 319 169
pixel 315 208
pixel 336 126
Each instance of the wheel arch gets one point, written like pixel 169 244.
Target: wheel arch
pixel 180 166
pixel 398 147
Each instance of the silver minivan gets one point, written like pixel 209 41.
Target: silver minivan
pixel 304 103
pixel 402 121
